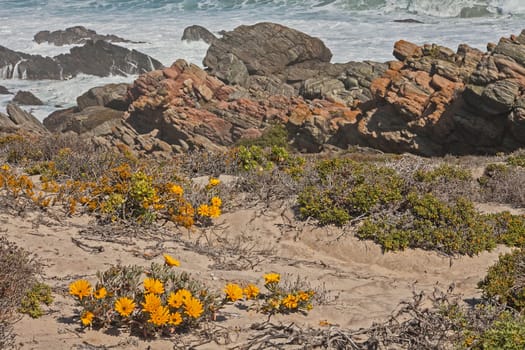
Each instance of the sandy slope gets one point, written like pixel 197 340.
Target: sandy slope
pixel 364 284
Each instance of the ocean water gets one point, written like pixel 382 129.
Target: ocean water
pixel 352 29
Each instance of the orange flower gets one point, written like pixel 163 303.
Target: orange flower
pixel 233 291
pixel 180 297
pixel 170 261
pixel 193 307
pixel 100 293
pixel 251 291
pixel 80 288
pixel 152 285
pixel 124 306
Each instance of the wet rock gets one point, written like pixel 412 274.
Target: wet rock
pixel 75 35
pixel 95 57
pixel 27 98
pixel 198 33
pixel 4 90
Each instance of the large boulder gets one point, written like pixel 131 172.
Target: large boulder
pixel 198 33
pixel 266 48
pixel 95 57
pixel 111 95
pixel 75 35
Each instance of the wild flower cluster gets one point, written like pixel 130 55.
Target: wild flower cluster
pixel 278 298
pixel 167 302
pixel 121 193
pixel 164 302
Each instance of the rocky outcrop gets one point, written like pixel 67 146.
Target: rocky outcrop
pixel 19 120
pixel 4 90
pixel 434 101
pixel 98 58
pixel 183 108
pixel 273 59
pixel 27 98
pixel 75 35
pixel 198 33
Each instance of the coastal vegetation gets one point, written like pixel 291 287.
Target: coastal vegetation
pixel 399 202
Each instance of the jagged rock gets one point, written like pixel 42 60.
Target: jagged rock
pixel 101 58
pixel 266 48
pixel 23 120
pixel 408 20
pixel 231 70
pixel 474 11
pixel 198 33
pixel 111 95
pixel 321 88
pixel 75 35
pixel 27 98
pixel 4 90
pixel 95 57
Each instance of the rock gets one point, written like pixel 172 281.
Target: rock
pixel 27 98
pixel 321 88
pixel 56 121
pixel 231 70
pixel 24 120
pixel 474 11
pixel 111 95
pixel 101 58
pixel 4 90
pixel 407 20
pixel 97 58
pixel 404 49
pixel 198 33
pixel 91 121
pixel 266 48
pixel 75 35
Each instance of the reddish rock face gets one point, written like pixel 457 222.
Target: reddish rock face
pixel 191 110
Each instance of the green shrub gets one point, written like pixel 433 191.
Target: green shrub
pixel 505 280
pixel 428 223
pixel 39 294
pixel 342 189
pixel 444 172
pixel 275 135
pixel 505 334
pixel 19 270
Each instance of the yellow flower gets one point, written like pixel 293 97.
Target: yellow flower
pixel 151 303
pixel 203 210
pixel 216 201
pixel 100 293
pixel 180 297
pixel 251 291
pixel 124 306
pixel 272 278
pixel 170 261
pixel 213 182
pixel 160 316
pixel 175 319
pixel 177 190
pixel 80 288
pixel 233 291
pixel 290 301
pixel 274 303
pixel 87 318
pixel 5 167
pixel 152 285
pixel 214 212
pixel 193 307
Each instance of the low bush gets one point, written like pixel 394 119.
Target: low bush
pixel 342 189
pixel 18 277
